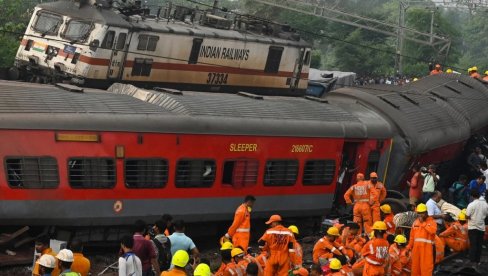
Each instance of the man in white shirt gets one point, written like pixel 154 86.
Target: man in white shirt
pixel 484 171
pixel 476 213
pixel 434 211
pixel 129 263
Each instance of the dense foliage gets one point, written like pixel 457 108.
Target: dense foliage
pixel 337 46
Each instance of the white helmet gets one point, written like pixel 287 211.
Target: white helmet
pixel 65 255
pixel 47 260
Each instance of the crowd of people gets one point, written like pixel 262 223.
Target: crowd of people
pixel 377 242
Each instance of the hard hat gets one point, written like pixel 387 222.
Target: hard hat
pixel 223 240
pixel 379 225
pixel 227 246
pixel 360 176
pixel 47 260
pixel 202 270
pixel 421 208
pixel 373 174
pixel 415 79
pixel 333 231
pixel 462 216
pixel 274 218
pixel 400 239
pixel 474 68
pixel 236 251
pixel 301 271
pixel 463 211
pixel 486 72
pixel 335 264
pixel 293 229
pixel 449 71
pixel 470 69
pixel 180 258
pixel 385 208
pixel 65 255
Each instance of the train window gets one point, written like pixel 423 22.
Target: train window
pixel 121 41
pixel 195 173
pixel 147 42
pixel 195 51
pixel 77 30
pixel 32 172
pixel 142 67
pixel 274 59
pixel 108 40
pixel 373 161
pixel 146 173
pixel 91 173
pixel 306 60
pixel 318 172
pixel 281 173
pixel 47 23
pixel 240 172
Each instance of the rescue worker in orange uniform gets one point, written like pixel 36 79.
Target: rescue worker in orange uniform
pixel 296 246
pixel 456 236
pixel 474 73
pixel 238 265
pixel 327 247
pixel 225 254
pixel 335 267
pixel 486 76
pixel 278 241
pixel 387 217
pixel 262 260
pixel 421 242
pixel 437 70
pixel 352 240
pixel 240 230
pixel 381 191
pixel 42 247
pixel 375 252
pixel 440 247
pixel 346 269
pixel 179 261
pixel 399 261
pixel 364 195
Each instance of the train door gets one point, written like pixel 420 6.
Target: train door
pixel 348 169
pixel 118 51
pixel 297 71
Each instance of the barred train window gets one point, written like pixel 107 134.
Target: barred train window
pixel 240 172
pixel 318 172
pixel 281 172
pixel 142 67
pixel 32 172
pixel 91 173
pixel 195 173
pixel 146 173
pixel 147 42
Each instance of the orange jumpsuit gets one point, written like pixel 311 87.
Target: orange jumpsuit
pixel 48 251
pixel 364 196
pixel 221 270
pixel 262 260
pixel 250 259
pixel 353 243
pixel 435 72
pixel 324 249
pixel 475 75
pixel 380 188
pixel 375 254
pixel 390 225
pixel 279 244
pixel 440 246
pixel 80 264
pixel 399 260
pixel 240 229
pixel 485 78
pixel 346 270
pixel 297 258
pixel 456 236
pixel 233 269
pixel 421 243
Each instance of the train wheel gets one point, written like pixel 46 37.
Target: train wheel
pixel 395 194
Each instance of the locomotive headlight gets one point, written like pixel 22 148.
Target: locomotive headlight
pixel 49 50
pixel 55 51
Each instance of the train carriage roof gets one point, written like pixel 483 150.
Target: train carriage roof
pixel 426 122
pixel 30 106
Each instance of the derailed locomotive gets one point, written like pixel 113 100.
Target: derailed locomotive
pixel 95 46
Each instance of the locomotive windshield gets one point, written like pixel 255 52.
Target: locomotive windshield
pixel 77 30
pixel 48 23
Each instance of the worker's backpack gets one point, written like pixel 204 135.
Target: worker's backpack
pixel 163 244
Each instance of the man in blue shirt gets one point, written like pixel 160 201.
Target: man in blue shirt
pixel 180 241
pixel 478 184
